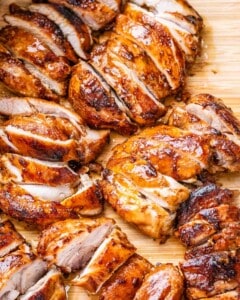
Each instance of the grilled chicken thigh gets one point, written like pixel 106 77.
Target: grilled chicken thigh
pixel 43 28
pixel 77 33
pixel 49 287
pixel 96 102
pixel 24 45
pixel 164 282
pixel 47 131
pixel 125 282
pixel 18 272
pixel 109 256
pixel 96 14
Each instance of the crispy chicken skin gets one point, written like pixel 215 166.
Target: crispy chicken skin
pixel 125 282
pixel 10 239
pixel 212 274
pixel 44 29
pixel 164 282
pixel 16 202
pixel 110 255
pixel 96 102
pixel 95 14
pixel 70 243
pixel 49 287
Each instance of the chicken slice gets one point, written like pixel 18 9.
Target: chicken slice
pixel 125 282
pixel 232 295
pixel 136 59
pixel 50 286
pixel 16 202
pixel 164 282
pixel 211 275
pixel 23 169
pixel 179 12
pixel 141 106
pixel 43 28
pixel 76 32
pixel 10 238
pixel 16 77
pixel 156 40
pixel 110 255
pixel 70 244
pixel 95 14
pixel 225 240
pixel 96 102
pixel 177 153
pixel 18 272
pixel 135 207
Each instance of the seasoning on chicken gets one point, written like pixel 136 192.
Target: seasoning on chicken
pixel 70 244
pixel 47 131
pixel 125 282
pixel 164 282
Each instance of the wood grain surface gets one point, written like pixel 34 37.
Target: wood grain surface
pixel 216 71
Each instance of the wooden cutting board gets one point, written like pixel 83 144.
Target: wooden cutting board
pixel 216 71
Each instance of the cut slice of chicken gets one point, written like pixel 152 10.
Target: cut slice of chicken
pixel 96 102
pixel 70 244
pixel 19 271
pixel 34 51
pixel 136 59
pixel 17 203
pixel 15 75
pixel 43 28
pixel 137 208
pixel 211 275
pixel 110 255
pixel 164 282
pixel 125 282
pixel 77 33
pixel 156 40
pixel 10 238
pixel 50 286
pixel 142 107
pixel 23 169
pixel 95 14
pixel 59 133
pixel 179 12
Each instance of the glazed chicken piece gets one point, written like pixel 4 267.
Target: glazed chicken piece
pixel 125 282
pixel 174 152
pixel 43 28
pixel 96 14
pixel 209 116
pixel 10 238
pixel 18 203
pixel 70 244
pixel 164 282
pixel 140 105
pixel 110 255
pixel 96 102
pixel 50 286
pixel 19 270
pixel 18 79
pixel 211 275
pixel 155 39
pixel 53 69
pixel 47 131
pixel 76 32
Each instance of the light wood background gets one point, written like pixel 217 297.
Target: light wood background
pixel 217 71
